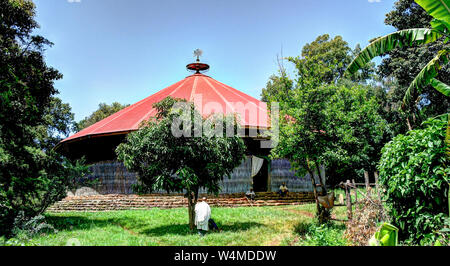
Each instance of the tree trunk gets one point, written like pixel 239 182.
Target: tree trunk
pixel 313 182
pixel 323 214
pixel 324 189
pixel 192 201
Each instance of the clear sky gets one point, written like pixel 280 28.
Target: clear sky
pixel 126 50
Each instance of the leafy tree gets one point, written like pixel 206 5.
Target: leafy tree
pixel 432 73
pixel 104 110
pixel 277 88
pixel 171 153
pixel 404 63
pixel 359 132
pixel 414 170
pixel 332 125
pixel 322 63
pixel 58 123
pixel 435 72
pixel 32 176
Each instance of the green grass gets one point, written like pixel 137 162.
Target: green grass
pixel 264 226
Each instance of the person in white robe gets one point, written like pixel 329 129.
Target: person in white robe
pixel 202 216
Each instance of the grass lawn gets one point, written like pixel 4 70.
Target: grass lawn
pixel 263 226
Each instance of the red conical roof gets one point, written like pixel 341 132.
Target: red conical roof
pixel 209 95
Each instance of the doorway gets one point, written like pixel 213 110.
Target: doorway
pixel 260 181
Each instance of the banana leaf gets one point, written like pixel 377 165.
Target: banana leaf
pixel 441 87
pixel 427 75
pixel 440 25
pixel 438 9
pixel 391 41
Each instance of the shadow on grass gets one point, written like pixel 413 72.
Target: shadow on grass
pixel 183 229
pixel 71 223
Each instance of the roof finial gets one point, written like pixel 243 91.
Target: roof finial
pixel 198 53
pixel 198 67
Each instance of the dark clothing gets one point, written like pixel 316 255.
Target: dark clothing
pixel 250 195
pixel 283 193
pixel 212 225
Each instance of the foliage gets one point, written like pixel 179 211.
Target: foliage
pixel 357 133
pixel 330 125
pixel 418 40
pixel 368 215
pixel 32 119
pixel 358 114
pixel 324 61
pixel 327 119
pixel 345 117
pixel 188 161
pixel 277 88
pixel 104 110
pixel 313 234
pixel 29 227
pixel 415 173
pixel 385 44
pixel 443 235
pixel 428 76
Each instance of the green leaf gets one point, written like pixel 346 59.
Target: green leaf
pixel 438 9
pixel 440 25
pixel 391 41
pixel 425 76
pixel 441 87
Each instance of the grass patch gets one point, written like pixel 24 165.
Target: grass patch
pixel 263 226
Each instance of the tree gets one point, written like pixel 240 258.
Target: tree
pixel 430 73
pixel 180 151
pixel 434 72
pixel 104 110
pixel 359 131
pixel 322 63
pixel 404 63
pixel 335 126
pixel 32 175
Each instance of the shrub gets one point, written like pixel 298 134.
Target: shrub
pixel 414 173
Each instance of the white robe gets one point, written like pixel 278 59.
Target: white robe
pixel 202 215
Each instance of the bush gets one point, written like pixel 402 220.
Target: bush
pixel 29 227
pixel 414 173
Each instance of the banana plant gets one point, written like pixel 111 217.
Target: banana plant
pixel 440 28
pixel 440 11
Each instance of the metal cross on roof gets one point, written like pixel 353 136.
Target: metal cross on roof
pixel 198 53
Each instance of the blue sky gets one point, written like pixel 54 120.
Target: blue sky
pixel 126 50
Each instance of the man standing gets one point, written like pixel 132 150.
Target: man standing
pixel 202 216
